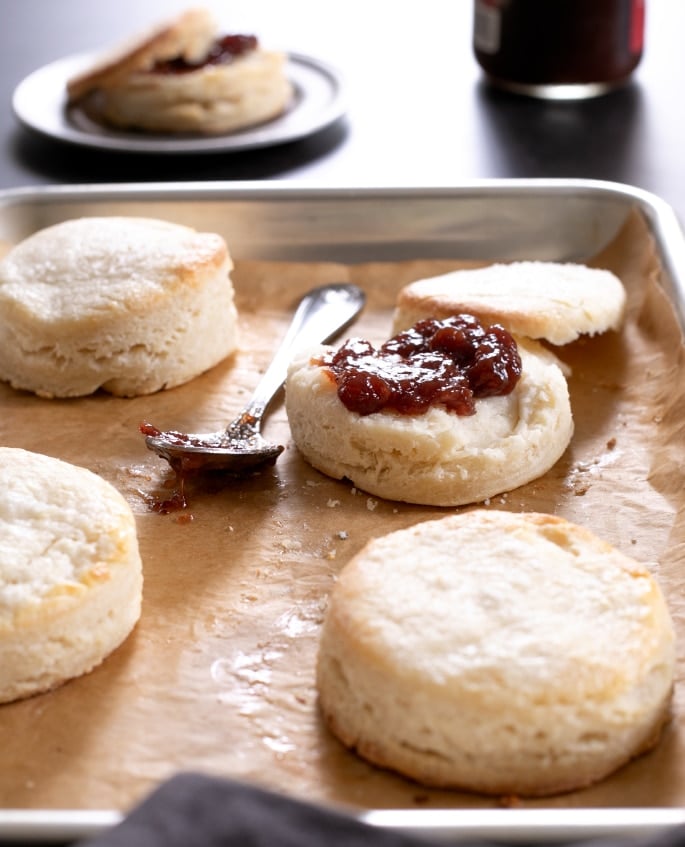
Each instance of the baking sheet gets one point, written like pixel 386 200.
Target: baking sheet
pixel 218 675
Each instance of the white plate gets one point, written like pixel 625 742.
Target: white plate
pixel 40 104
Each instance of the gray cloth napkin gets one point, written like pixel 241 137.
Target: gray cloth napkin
pixel 194 810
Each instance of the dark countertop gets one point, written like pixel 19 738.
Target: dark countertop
pixel 418 111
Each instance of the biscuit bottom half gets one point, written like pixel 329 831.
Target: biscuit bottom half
pixel 211 100
pixel 437 458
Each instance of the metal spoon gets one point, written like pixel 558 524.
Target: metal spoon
pixel 321 314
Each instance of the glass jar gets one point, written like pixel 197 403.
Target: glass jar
pixel 558 49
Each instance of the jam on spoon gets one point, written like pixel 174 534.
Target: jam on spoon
pixel 320 316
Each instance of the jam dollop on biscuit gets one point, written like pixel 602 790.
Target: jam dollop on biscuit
pixel 450 362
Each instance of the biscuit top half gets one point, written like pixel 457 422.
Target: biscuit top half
pixel 553 301
pixel 187 36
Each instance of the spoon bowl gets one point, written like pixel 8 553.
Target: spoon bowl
pixel 320 315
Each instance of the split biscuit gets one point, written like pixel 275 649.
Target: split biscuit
pixel 502 653
pixel 70 572
pixel 129 305
pixel 182 78
pixel 438 458
pixel 543 300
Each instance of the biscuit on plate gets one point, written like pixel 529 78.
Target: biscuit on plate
pixel 437 457
pixel 544 300
pixel 130 305
pixel 496 652
pixel 70 572
pixel 183 76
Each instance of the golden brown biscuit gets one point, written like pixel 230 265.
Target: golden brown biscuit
pixel 129 305
pixel 496 652
pixel 70 572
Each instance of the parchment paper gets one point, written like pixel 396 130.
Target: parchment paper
pixel 218 675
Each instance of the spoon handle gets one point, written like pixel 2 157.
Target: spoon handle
pixel 321 314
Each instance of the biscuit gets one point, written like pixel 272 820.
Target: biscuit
pixel 498 653
pixel 129 305
pixel 142 86
pixel 437 458
pixel 70 572
pixel 543 300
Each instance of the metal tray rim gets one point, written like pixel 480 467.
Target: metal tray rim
pixel 662 217
pixel 505 826
pixel 295 186
pixel 654 205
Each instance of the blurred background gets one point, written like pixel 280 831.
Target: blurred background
pixel 418 112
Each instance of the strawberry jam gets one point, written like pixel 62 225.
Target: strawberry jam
pixel 450 363
pixel 222 52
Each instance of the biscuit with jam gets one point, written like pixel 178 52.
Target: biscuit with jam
pixel 449 435
pixel 185 77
